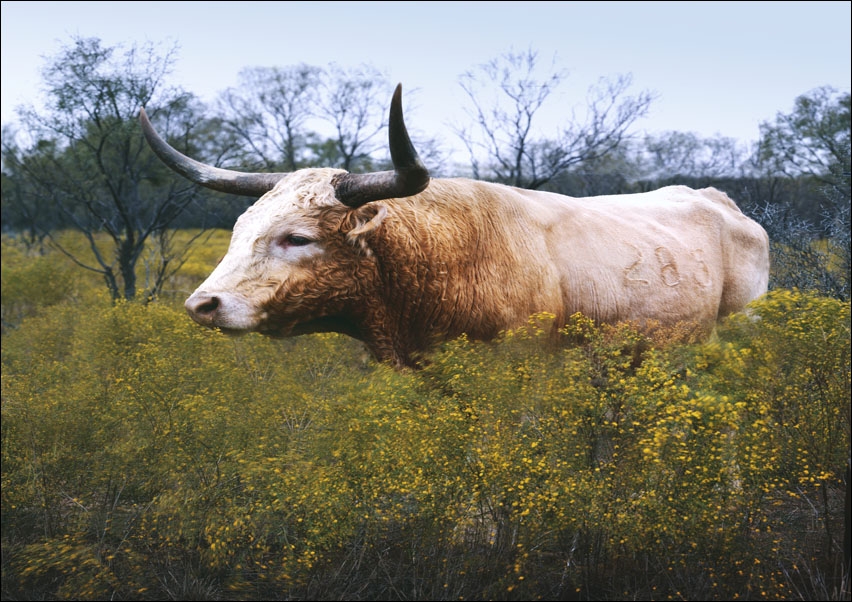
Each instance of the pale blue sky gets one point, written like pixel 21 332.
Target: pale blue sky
pixel 718 67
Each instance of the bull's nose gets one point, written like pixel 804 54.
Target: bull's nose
pixel 203 308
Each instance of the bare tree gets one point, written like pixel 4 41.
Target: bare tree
pixel 504 144
pixel 90 165
pixel 354 102
pixel 268 113
pixel 799 263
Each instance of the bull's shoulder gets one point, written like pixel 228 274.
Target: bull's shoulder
pixel 717 196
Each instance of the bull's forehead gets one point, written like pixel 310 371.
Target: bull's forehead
pixel 291 203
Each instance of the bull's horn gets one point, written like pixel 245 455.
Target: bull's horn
pixel 223 180
pixel 409 177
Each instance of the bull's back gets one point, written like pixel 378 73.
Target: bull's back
pixel 670 255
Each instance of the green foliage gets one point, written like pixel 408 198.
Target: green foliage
pixel 811 235
pixel 30 281
pixel 146 458
pixel 33 280
pixel 814 138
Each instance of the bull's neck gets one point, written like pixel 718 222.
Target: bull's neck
pixel 430 280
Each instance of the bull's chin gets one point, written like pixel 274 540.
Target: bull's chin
pixel 313 326
pixel 229 330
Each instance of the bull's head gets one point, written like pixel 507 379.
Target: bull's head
pixel 293 262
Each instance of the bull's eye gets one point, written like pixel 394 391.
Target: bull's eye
pixel 298 241
pixel 294 240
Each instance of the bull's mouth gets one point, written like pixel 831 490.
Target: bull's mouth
pixel 232 332
pixel 223 328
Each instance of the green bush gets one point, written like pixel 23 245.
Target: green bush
pixel 30 282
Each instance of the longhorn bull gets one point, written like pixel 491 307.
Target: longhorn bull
pixel 400 260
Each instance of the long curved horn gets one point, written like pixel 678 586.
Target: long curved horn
pixel 223 180
pixel 408 178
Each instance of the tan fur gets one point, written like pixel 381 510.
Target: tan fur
pixel 473 257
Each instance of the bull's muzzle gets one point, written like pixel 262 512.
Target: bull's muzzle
pixel 226 310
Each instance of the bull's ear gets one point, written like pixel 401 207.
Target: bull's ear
pixel 364 219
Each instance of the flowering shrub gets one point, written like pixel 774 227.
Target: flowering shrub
pixel 147 458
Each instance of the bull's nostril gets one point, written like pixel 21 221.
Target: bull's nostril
pixel 208 306
pixel 203 308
